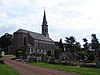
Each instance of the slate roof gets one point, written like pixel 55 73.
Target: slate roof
pixel 35 35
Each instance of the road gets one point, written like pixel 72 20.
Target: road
pixel 26 69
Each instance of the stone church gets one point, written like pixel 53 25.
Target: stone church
pixel 33 42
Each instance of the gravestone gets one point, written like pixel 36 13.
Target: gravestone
pixel 3 53
pixel 98 63
pixel 1 61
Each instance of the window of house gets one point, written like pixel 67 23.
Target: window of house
pixel 38 45
pixel 25 41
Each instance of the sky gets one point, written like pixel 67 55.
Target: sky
pixel 78 18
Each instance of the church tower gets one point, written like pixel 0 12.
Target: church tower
pixel 45 26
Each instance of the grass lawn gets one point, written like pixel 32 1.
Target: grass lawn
pixel 6 70
pixel 74 69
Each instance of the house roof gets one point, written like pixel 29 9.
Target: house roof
pixel 35 35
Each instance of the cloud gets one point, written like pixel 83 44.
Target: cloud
pixel 78 18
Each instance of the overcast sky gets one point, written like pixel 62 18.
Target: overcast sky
pixel 78 18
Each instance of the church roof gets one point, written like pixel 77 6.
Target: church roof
pixel 44 19
pixel 35 35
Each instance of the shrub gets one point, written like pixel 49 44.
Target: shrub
pixel 49 53
pixel 91 57
pixel 0 56
pixel 1 62
pixel 20 53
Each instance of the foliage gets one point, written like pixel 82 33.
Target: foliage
pixel 72 43
pixel 20 53
pixel 82 54
pixel 5 41
pixel 95 44
pixel 49 53
pixel 77 46
pixel 91 57
pixel 70 40
pixel 86 44
pixel 57 53
pixel 73 48
pixel 75 69
pixel 44 58
pixel 6 70
pixel 0 56
pixel 61 45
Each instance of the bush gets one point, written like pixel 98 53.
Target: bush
pixel 57 53
pixel 49 53
pixel 1 62
pixel 20 53
pixel 0 56
pixel 91 57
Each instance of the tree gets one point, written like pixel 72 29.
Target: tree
pixel 95 45
pixel 71 42
pixel 20 53
pixel 82 55
pixel 73 48
pixel 57 53
pixel 77 46
pixel 86 44
pixel 49 53
pixel 5 41
pixel 61 45
pixel 91 57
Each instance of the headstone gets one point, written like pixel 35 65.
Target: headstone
pixel 1 62
pixel 98 63
pixel 3 53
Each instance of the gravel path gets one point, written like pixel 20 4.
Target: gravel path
pixel 26 69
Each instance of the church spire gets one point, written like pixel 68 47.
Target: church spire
pixel 45 26
pixel 44 19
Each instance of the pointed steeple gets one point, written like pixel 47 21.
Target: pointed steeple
pixel 45 26
pixel 44 19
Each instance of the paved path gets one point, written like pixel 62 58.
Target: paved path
pixel 26 69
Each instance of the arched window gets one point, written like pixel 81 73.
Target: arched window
pixel 45 30
pixel 25 41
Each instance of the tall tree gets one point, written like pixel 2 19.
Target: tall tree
pixel 95 45
pixel 71 42
pixel 5 41
pixel 73 47
pixel 61 45
pixel 86 44
pixel 78 46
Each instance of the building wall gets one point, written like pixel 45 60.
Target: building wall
pixel 30 40
pixel 43 46
pixel 18 42
pixel 38 46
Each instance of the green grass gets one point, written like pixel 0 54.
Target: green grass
pixel 6 70
pixel 74 69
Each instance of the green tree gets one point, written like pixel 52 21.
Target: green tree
pixel 73 47
pixel 86 44
pixel 5 41
pixel 77 46
pixel 61 45
pixel 20 53
pixel 82 54
pixel 57 53
pixel 71 43
pixel 95 45
pixel 49 53
pixel 91 57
